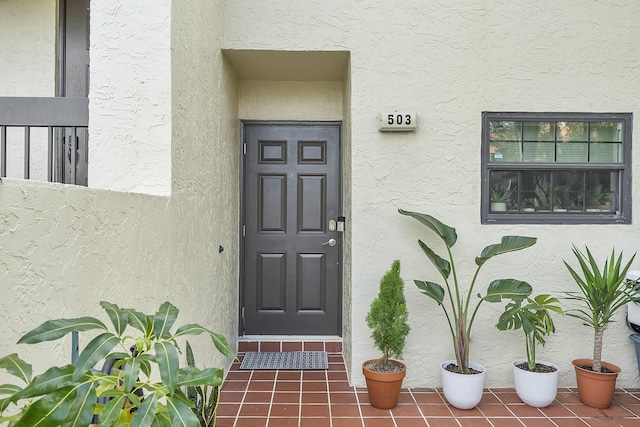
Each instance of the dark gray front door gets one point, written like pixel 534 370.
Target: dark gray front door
pixel 291 196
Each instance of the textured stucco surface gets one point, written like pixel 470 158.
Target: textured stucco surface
pixel 65 248
pixel 449 62
pixel 28 47
pixel 165 106
pixel 130 96
pixel 205 165
pixel 275 100
pixel 28 51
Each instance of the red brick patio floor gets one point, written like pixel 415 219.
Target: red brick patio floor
pixel 287 398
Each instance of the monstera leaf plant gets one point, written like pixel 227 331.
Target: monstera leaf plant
pixel 141 387
pixel 459 303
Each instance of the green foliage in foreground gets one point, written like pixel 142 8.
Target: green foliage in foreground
pixel 68 395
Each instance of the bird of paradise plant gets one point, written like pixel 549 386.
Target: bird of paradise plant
pixel 460 313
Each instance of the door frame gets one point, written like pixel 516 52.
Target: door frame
pixel 242 181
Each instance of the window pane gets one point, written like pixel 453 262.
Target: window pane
pixel 505 139
pixel 608 152
pixel 559 191
pixel 572 131
pixel 539 152
pixel 573 152
pixel 575 142
pixel 505 131
pixel 503 190
pixel 601 190
pixel 606 132
pixel 539 131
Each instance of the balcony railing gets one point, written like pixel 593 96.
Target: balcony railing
pixel 48 136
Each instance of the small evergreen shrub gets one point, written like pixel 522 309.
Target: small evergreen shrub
pixel 388 315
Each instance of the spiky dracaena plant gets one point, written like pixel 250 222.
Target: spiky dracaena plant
pixel 458 314
pixel 388 315
pixel 602 293
pixel 204 398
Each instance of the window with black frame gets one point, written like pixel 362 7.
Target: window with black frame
pixel 556 168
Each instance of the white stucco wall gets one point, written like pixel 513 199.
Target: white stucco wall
pixel 205 165
pixel 449 63
pixel 130 96
pixel 27 47
pixel 277 100
pixel 65 248
pixel 28 51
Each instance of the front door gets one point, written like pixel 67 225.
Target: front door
pixel 292 249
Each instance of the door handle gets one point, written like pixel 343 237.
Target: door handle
pixel 330 242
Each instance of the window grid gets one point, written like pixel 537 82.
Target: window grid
pixel 598 184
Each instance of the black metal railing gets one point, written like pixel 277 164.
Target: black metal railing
pixel 65 122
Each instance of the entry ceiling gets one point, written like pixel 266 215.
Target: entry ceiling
pixel 288 65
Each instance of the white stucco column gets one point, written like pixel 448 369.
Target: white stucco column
pixel 130 96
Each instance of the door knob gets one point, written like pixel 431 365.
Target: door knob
pixel 330 242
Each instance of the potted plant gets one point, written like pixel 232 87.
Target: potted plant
pixel 601 293
pixel 204 398
pixel 146 364
pixel 463 390
pixel 536 381
pixel 500 195
pixel 387 318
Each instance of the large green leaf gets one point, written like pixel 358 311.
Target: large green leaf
pixel 168 363
pixel 190 329
pixel 511 289
pixel 112 409
pixel 95 351
pixel 181 415
pixel 507 244
pixel 179 395
pixel 81 411
pixel 218 340
pixel 54 329
pixel 164 320
pixel 9 389
pixel 119 317
pixel 131 371
pixel 17 367
pixel 50 410
pixel 431 289
pixel 162 418
pixel 146 412
pixel 443 266
pixel 49 381
pixel 446 233
pixel 192 376
pixel 222 345
pixel 4 404
pixel 139 320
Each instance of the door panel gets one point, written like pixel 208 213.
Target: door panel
pixel 292 189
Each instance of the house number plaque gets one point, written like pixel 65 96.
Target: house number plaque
pixel 397 121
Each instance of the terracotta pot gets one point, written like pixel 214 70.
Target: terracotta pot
pixel 384 388
pixel 595 388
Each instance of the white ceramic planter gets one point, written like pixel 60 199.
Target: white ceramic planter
pixel 462 391
pixel 535 388
pixel 498 207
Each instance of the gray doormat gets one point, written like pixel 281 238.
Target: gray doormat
pixel 298 360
